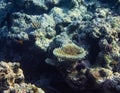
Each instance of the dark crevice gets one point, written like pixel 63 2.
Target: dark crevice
pixel 59 27
pixel 65 4
pixel 94 49
pixel 119 35
pixel 113 2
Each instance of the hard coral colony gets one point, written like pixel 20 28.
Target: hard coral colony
pixel 70 52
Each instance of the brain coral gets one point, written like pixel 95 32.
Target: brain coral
pixel 70 52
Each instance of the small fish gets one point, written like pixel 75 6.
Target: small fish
pixel 19 41
pixel 51 62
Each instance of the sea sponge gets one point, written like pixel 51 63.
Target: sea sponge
pixel 70 52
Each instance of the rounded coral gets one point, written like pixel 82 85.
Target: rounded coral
pixel 70 52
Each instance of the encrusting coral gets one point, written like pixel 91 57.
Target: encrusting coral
pixel 12 80
pixel 10 73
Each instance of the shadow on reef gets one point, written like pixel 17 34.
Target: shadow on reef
pixel 109 1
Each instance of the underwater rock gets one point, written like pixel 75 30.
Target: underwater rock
pixel 43 38
pixel 24 88
pixel 73 12
pixel 104 79
pixel 35 6
pixel 61 39
pixel 109 54
pixel 111 83
pixel 99 74
pixel 59 15
pixel 40 28
pixel 6 8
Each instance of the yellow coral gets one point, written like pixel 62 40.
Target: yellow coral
pixel 70 52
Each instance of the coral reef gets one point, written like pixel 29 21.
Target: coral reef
pixel 79 38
